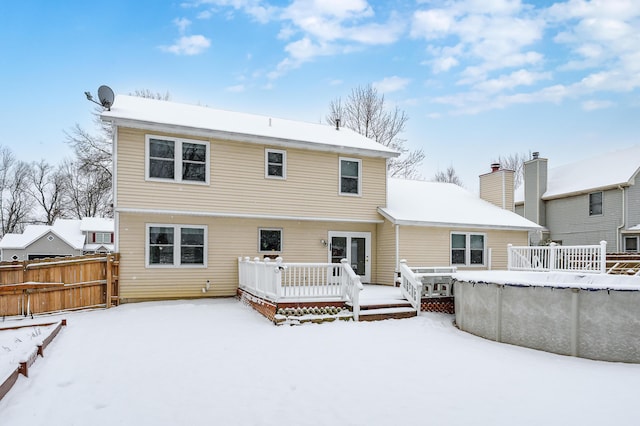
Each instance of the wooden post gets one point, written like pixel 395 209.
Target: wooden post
pixel 109 278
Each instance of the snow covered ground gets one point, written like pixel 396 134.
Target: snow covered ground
pixel 217 362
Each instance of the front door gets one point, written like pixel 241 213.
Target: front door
pixel 356 248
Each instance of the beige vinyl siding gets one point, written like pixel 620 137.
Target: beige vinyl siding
pixel 227 240
pixel 238 184
pixel 386 251
pixel 431 246
pixel 493 185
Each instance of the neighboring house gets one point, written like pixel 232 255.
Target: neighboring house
pixel 99 234
pixel 195 188
pixel 584 202
pixel 66 237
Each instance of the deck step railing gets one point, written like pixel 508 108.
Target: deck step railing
pixel 410 286
pixel 554 257
pixel 278 281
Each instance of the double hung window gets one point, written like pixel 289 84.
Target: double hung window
pixel 177 160
pixel 176 245
pixel 275 164
pixel 467 249
pixel 595 203
pixel 350 176
pixel 102 237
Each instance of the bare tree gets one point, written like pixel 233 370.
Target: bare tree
pixel 47 189
pixel 94 162
pixel 448 176
pixel 365 112
pixel 86 194
pixel 15 203
pixel 514 162
pixel 146 93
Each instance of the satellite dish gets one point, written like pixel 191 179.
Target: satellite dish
pixel 105 96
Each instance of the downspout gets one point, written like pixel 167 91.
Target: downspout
pixel 397 252
pixel 624 214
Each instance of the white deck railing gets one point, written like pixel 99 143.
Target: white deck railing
pixel 278 281
pixel 410 286
pixel 425 281
pixel 590 259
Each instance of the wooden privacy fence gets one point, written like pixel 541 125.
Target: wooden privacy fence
pixel 59 284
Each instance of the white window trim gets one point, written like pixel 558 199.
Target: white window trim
pixel 103 234
pixel 601 203
pixel 624 240
pixel 348 194
pixel 467 253
pixel 281 240
pixel 266 164
pixel 177 161
pixel 176 246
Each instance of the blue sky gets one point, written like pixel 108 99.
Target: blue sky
pixel 477 78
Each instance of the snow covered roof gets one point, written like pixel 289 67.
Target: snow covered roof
pixel 137 112
pixel 97 224
pixel 610 170
pixel 98 247
pixel 68 230
pixel 413 202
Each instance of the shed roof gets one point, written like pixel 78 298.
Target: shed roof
pixel 137 112
pixel 421 203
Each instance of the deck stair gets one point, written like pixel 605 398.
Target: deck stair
pixel 378 302
pixel 376 310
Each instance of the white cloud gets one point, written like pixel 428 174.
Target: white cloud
pixel 188 45
pixel 182 24
pixel 205 14
pixel 594 105
pixel 432 23
pixel 331 27
pixel 256 9
pixel 236 89
pixel 391 84
pixel 603 34
pixel 487 35
pixel 515 79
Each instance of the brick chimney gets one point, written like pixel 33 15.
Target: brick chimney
pixel 496 187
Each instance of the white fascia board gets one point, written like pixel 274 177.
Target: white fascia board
pixel 386 215
pixel 467 226
pixel 454 225
pixel 242 215
pixel 255 139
